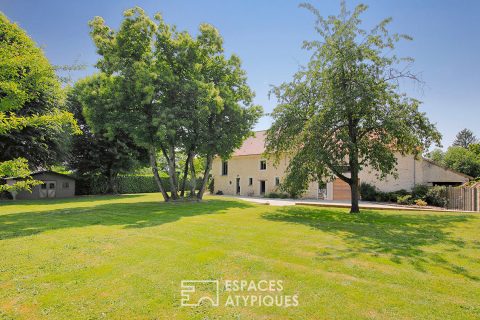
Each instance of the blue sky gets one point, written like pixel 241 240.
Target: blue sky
pixel 267 35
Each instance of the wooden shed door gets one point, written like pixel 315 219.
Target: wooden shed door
pixel 52 186
pixel 43 192
pixel 341 190
pixel 48 189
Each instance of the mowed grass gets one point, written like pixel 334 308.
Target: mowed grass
pixel 124 258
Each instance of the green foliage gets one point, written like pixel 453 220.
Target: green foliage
pixel 171 92
pixel 463 160
pixel 420 191
pixel 277 195
pixel 344 110
pixel 368 192
pixel 390 196
pixel 405 200
pixel 436 155
pixel 26 76
pixel 475 148
pixel 126 184
pixel 437 196
pixel 17 168
pixel 31 117
pixel 99 153
pixel 464 138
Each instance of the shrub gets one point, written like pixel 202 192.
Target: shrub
pixel 420 202
pixel 407 199
pixel 420 191
pixel 437 196
pixel 125 184
pixel 139 184
pixel 368 192
pixel 402 192
pixel 276 195
pixel 381 196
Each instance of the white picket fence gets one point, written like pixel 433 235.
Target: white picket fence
pixel 464 198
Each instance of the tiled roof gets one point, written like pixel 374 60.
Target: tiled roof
pixel 252 145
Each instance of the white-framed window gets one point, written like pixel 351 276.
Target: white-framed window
pixel 250 181
pixel 66 185
pixel 224 168
pixel 277 181
pixel 263 164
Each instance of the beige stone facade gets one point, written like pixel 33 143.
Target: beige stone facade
pixel 247 176
pixel 245 172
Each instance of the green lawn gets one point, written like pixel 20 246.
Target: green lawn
pixel 124 257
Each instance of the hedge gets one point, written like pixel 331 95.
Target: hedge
pixel 125 184
pixel 435 196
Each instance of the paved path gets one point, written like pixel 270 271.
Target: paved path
pixel 337 204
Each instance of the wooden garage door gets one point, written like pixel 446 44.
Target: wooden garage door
pixel 341 190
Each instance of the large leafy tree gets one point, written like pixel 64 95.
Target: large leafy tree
pixel 171 93
pixel 344 111
pixel 30 99
pixel 464 138
pixel 99 153
pixel 29 91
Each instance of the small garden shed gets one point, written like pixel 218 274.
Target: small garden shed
pixel 55 185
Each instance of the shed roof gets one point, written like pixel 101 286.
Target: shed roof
pixel 45 172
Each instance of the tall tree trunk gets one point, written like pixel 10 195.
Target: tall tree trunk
pixel 206 174
pixel 185 176
pixel 170 157
pixel 353 163
pixel 153 164
pixel 193 177
pixel 112 183
pixel 354 191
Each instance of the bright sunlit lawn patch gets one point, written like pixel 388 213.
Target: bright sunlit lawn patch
pixel 124 257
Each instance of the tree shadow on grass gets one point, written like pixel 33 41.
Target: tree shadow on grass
pixel 128 215
pixel 76 199
pixel 401 237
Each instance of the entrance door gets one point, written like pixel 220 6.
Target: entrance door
pixel 262 187
pixel 238 185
